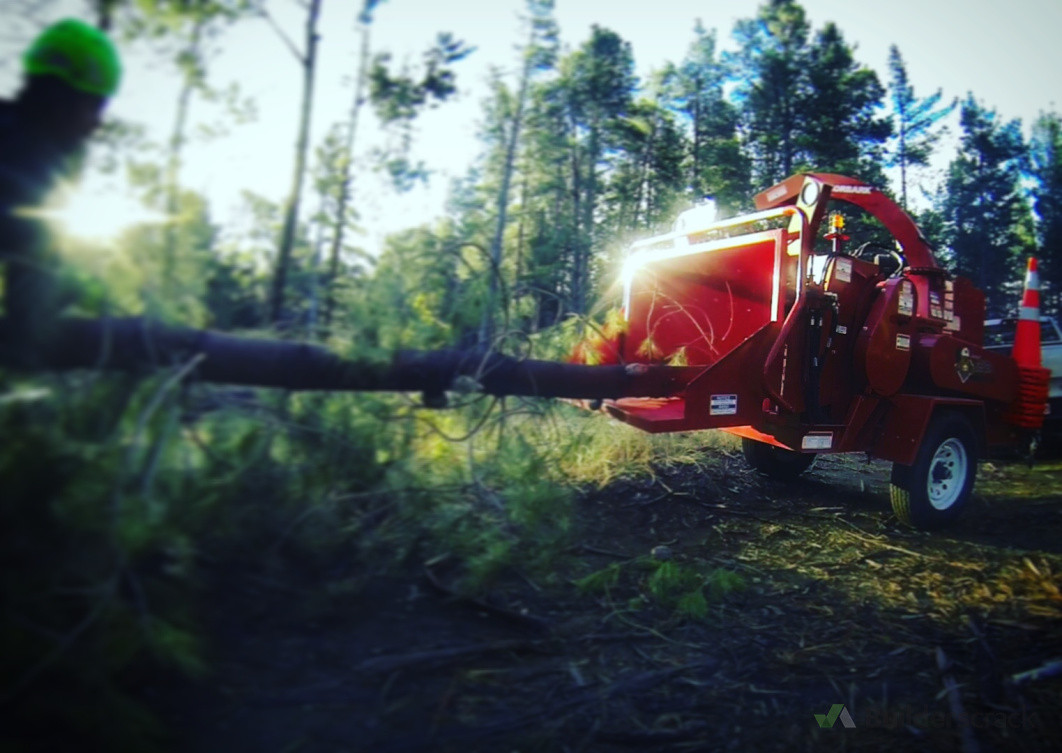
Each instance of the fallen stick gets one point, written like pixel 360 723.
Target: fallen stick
pixel 968 743
pixel 1049 669
pixel 525 620
pixel 390 663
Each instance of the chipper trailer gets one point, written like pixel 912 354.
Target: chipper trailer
pixel 774 326
pixel 803 343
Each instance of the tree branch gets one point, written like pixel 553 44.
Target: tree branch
pixel 283 36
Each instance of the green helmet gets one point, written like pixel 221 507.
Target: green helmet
pixel 81 55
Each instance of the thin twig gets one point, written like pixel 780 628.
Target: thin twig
pixel 391 663
pixel 292 47
pixel 1048 669
pixel 64 645
pixel 967 740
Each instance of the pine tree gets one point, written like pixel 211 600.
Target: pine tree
pixel 648 180
pixel 539 54
pixel 716 166
pixel 806 103
pixel 772 88
pixel 548 222
pixel 914 118
pixel 983 206
pixel 595 88
pixel 842 131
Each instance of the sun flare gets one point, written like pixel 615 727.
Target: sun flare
pixel 97 216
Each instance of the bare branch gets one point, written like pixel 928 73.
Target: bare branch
pixel 292 47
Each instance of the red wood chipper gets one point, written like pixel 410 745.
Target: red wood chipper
pixel 803 344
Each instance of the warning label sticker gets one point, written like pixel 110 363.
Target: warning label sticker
pixel 723 405
pixel 817 441
pixel 936 310
pixel 905 302
pixel 843 270
pixel 903 342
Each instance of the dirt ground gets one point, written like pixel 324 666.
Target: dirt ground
pixel 918 635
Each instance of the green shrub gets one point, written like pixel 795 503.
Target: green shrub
pixel 683 590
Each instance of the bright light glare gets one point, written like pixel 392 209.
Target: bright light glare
pixel 697 218
pixel 98 216
pixel 631 266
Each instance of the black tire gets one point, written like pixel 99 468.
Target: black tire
pixel 776 462
pixel 937 488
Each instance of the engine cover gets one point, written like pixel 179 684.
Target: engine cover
pixel 883 348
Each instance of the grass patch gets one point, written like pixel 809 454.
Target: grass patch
pixel 600 450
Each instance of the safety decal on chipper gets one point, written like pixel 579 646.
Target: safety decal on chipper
pixel 723 405
pixel 935 309
pixel 843 270
pixel 776 193
pixel 817 441
pixel 903 342
pixel 905 301
pixel 968 367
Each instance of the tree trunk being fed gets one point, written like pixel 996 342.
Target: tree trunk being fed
pixel 136 344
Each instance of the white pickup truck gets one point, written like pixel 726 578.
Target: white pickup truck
pixel 999 335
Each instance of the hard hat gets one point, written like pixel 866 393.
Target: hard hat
pixel 79 54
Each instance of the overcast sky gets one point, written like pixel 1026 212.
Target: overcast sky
pixel 1006 53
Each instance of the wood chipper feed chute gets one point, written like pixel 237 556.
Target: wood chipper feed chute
pixel 697 307
pixel 705 298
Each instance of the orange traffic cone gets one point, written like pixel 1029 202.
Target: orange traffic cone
pixel 1027 335
pixel 1027 410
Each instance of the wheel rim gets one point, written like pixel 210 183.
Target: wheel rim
pixel 947 474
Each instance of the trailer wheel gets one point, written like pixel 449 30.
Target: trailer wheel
pixel 936 489
pixel 776 462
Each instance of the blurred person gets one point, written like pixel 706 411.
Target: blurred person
pixel 70 71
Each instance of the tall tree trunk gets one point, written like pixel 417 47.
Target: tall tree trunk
pixel 520 236
pixel 787 143
pixel 173 161
pixel 346 190
pixel 586 237
pixel 315 287
pixel 487 326
pixel 105 14
pixel 291 209
pixel 643 196
pixel 903 162
pixel 695 179
pixel 574 242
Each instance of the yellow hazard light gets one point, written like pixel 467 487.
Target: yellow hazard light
pixel 837 222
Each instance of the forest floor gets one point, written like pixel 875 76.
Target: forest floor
pixel 916 634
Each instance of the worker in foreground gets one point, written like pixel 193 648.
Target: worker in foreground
pixel 70 71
